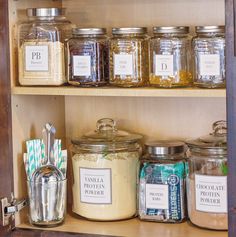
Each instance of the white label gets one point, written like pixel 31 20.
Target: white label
pixel 209 65
pixel 211 193
pixel 36 58
pixel 81 65
pixel 123 64
pixel 95 186
pixel 157 196
pixel 164 65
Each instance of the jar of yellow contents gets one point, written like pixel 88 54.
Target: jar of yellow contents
pixel 129 57
pixel 170 57
pixel 105 170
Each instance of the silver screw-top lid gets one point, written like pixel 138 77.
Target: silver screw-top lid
pixel 129 30
pixel 45 12
pixel 165 147
pixel 210 29
pixel 89 31
pixel 171 29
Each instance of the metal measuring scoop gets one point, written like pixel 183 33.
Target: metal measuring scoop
pixel 46 180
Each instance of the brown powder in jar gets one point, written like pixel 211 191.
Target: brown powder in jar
pixel 208 220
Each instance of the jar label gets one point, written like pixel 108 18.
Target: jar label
pixel 211 193
pixel 164 65
pixel 157 196
pixel 209 64
pixel 123 64
pixel 37 58
pixel 82 65
pixel 95 186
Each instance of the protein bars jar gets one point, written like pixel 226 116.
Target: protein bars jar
pixel 170 57
pixel 105 166
pixel 162 182
pixel 87 57
pixel 207 179
pixel 209 56
pixel 129 57
pixel 41 47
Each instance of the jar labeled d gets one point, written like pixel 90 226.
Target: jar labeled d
pixel 170 57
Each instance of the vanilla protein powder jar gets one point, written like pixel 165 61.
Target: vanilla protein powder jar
pixel 105 170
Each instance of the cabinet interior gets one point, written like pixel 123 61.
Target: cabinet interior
pixel 155 118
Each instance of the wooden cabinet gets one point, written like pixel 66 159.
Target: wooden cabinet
pixel 156 113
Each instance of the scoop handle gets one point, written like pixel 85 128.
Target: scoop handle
pixel 48 138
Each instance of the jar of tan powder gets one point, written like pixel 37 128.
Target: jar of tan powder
pixel 41 56
pixel 207 179
pixel 105 170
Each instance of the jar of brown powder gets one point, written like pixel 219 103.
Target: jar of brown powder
pixel 207 179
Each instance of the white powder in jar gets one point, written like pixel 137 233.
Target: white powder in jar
pixel 41 63
pixel 105 186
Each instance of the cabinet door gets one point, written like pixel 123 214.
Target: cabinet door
pixel 6 169
pixel 230 12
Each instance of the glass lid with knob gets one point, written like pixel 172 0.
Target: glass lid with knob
pixel 108 137
pixel 215 142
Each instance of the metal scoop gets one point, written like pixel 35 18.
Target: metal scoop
pixel 47 189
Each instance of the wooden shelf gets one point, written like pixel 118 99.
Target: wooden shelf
pixel 131 228
pixel 123 92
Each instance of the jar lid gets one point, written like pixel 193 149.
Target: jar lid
pixel 165 147
pixel 45 12
pixel 214 143
pixel 107 137
pixel 171 29
pixel 129 30
pixel 210 29
pixel 89 31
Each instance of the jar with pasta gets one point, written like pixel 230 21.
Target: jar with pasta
pixel 129 57
pixel 41 39
pixel 209 56
pixel 170 57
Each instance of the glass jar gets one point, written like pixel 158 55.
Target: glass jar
pixel 162 182
pixel 87 57
pixel 129 57
pixel 207 179
pixel 41 47
pixel 170 57
pixel 105 167
pixel 209 56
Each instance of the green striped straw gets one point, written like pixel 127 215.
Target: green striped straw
pixel 30 151
pixel 55 152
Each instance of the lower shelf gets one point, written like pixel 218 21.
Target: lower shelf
pixel 131 228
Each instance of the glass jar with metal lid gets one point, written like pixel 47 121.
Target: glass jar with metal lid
pixel 162 182
pixel 105 167
pixel 87 57
pixel 209 56
pixel 170 57
pixel 41 46
pixel 129 57
pixel 207 179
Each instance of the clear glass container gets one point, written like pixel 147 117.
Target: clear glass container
pixel 47 202
pixel 105 170
pixel 162 182
pixel 207 179
pixel 129 57
pixel 87 57
pixel 41 57
pixel 209 56
pixel 170 57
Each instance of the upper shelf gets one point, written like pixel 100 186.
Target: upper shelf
pixel 123 92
